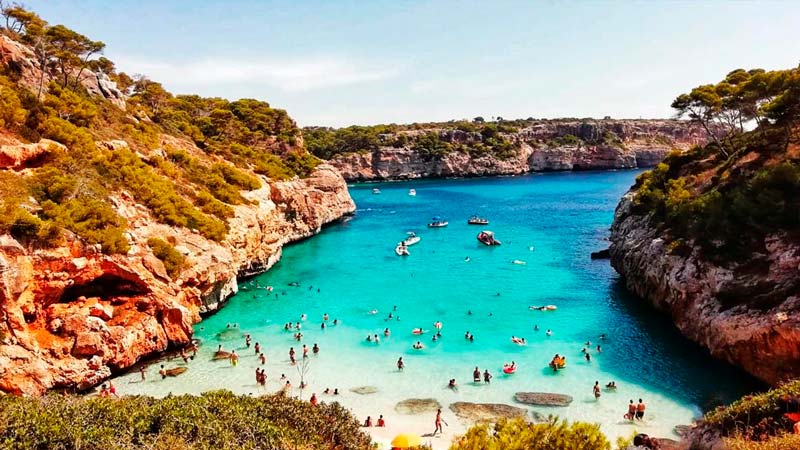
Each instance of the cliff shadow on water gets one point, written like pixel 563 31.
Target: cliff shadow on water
pixel 707 382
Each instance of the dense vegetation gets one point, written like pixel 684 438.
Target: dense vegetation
pixel 431 140
pixel 71 188
pixel 518 434
pixel 214 421
pixel 742 186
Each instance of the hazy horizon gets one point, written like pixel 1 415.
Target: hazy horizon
pixel 345 63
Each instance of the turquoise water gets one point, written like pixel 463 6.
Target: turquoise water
pixel 551 222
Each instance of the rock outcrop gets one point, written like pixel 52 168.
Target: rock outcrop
pixel 22 62
pixel 486 412
pixel 746 313
pixel 19 156
pixel 70 316
pixel 543 398
pixel 538 147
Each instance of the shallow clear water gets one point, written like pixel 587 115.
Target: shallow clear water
pixel 552 222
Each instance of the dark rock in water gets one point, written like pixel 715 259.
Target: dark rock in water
pixel 486 412
pixel 364 390
pixel 417 406
pixel 175 371
pixel 222 354
pixel 602 254
pixel 543 398
pixel 229 334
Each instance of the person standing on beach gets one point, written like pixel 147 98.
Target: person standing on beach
pixel 487 377
pixel 234 358
pixel 476 375
pixel 439 421
pixel 640 410
pixel 400 364
pixel 596 390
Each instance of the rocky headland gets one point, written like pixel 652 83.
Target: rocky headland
pixel 527 146
pixel 710 240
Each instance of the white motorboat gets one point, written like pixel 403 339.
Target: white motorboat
pixel 376 191
pixel 401 250
pixel 411 239
pixel 437 222
pixel 412 192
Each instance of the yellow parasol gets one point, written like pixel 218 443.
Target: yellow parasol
pixel 406 441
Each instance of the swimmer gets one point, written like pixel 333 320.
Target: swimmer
pixel 588 343
pixel 369 338
pixel 325 317
pixel 247 340
pixel 376 339
pixel 305 351
pixel 262 358
pixel 603 337
pixel 438 334
pixel 418 346
pixel 258 348
pixel 303 317
pixel 596 390
pixel 536 328
pixel 452 384
pixel 469 312
pixel 322 326
pixel 588 357
pixel 433 338
pixel 386 332
pixel 336 321
pixel 549 333
pixel 395 308
pixel 466 259
pixel 373 312
pixel 611 385
pixel 599 350
pixel 471 338
pixel 315 349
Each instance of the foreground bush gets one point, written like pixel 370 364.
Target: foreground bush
pixel 757 416
pixel 215 420
pixel 517 434
pixel 784 442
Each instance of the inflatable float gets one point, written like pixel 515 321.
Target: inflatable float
pixel 417 331
pixel 509 368
pixel 558 364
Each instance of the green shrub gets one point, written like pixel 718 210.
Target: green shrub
pixel 173 260
pixel 214 420
pixel 12 114
pixel 91 219
pixel 518 434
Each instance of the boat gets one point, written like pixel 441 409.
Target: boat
pixel 412 192
pixel 487 237
pixel 543 308
pixel 376 191
pixel 401 250
pixel 475 220
pixel 437 222
pixel 411 239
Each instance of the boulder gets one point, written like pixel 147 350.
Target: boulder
pixel 601 254
pixel 104 312
pixel 543 398
pixel 20 156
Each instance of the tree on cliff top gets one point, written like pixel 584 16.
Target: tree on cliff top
pixel 726 109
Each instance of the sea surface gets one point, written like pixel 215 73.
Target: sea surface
pixel 350 271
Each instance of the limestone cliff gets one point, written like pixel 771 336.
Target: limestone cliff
pixel 730 279
pixel 71 315
pixel 537 146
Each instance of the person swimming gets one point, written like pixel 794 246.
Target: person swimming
pixel 315 349
pixel 536 327
pixel 325 317
pixel 549 333
pixel 452 384
pixel 418 346
pixel 386 332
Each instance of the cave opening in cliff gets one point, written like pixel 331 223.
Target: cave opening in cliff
pixel 106 286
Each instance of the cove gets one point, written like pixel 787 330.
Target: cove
pixel 552 222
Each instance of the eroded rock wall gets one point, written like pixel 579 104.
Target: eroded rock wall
pixel 747 314
pixel 70 316
pixel 642 143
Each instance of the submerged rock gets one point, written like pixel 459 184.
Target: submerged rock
pixel 486 412
pixel 601 254
pixel 417 406
pixel 364 390
pixel 543 398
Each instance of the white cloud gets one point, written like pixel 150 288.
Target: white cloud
pixel 288 75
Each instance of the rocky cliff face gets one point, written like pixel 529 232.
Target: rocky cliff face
pixel 539 146
pixel 747 313
pixel 71 316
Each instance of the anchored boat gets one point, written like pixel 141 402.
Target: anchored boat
pixel 486 237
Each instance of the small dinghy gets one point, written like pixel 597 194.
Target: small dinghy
pixel 401 249
pixel 486 237
pixel 376 191
pixel 412 192
pixel 411 239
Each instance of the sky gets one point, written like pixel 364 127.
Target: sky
pixel 340 63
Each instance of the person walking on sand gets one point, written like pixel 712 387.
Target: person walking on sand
pixel 596 390
pixel 400 364
pixel 438 422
